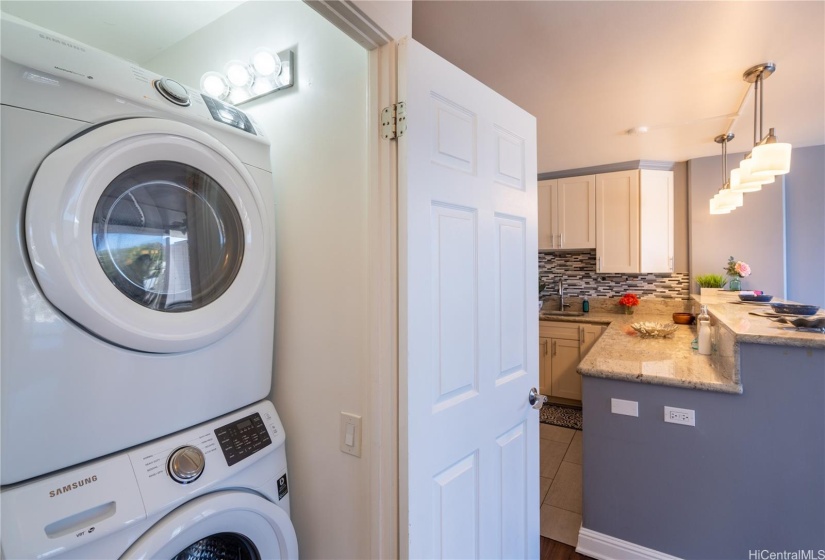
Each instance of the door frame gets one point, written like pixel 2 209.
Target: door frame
pixel 382 429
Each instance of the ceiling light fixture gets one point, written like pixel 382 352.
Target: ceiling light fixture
pixel 726 199
pixel 267 71
pixel 768 157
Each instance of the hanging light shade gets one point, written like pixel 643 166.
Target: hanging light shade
pixel 716 208
pixel 771 158
pixel 768 157
pixel 742 180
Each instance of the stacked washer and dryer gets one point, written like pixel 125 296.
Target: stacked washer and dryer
pixel 138 296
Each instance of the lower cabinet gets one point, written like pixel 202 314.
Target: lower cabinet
pixel 561 347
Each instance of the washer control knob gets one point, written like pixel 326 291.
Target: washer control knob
pixel 173 91
pixel 186 464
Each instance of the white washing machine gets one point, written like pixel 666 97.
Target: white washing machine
pixel 218 490
pixel 138 255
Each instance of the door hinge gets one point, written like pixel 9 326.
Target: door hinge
pixel 394 121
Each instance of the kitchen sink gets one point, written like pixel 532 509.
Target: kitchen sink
pixel 563 313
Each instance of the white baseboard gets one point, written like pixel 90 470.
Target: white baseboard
pixel 604 547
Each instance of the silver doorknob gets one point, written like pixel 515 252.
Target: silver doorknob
pixel 536 400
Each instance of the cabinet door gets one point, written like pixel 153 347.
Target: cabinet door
pixel 576 212
pixel 564 359
pixel 656 221
pixel 544 366
pixel 617 222
pixel 589 335
pixel 547 219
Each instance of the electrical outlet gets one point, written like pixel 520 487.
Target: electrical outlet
pixel 350 434
pixel 682 416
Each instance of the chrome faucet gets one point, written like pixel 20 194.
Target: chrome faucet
pixel 562 305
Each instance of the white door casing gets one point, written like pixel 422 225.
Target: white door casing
pixel 468 325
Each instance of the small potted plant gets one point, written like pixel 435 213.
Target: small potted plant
pixel 710 283
pixel 629 301
pixel 737 270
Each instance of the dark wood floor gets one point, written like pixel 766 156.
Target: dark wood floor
pixel 554 550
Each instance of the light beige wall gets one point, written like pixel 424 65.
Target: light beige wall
pixel 680 218
pixel 319 155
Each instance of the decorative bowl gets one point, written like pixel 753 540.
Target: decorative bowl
pixel 794 308
pixel 762 298
pixel 648 329
pixel 683 318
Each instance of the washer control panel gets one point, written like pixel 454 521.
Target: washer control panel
pixel 242 438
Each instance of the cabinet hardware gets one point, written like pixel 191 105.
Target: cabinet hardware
pixel 671 264
pixel 600 264
pixel 561 240
pixel 581 335
pixel 544 345
pixel 554 347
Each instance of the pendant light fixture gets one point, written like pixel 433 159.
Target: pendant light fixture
pixel 726 199
pixel 768 157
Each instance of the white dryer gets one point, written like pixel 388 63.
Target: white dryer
pixel 218 490
pixel 138 264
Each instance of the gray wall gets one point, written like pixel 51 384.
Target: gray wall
pixel 805 210
pixel 749 476
pixel 680 218
pixel 753 233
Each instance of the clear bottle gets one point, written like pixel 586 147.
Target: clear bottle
pixel 703 331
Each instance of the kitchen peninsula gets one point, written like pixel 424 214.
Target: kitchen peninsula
pixel 750 475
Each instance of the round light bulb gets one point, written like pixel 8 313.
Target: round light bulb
pixel 238 73
pixel 215 85
pixel 265 62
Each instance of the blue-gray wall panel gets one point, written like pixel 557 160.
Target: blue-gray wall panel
pixel 750 475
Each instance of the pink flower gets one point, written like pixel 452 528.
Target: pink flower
pixel 743 269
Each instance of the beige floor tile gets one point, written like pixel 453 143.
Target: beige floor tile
pixel 556 433
pixel 560 525
pixel 574 452
pixel 566 490
pixel 544 487
pixel 551 454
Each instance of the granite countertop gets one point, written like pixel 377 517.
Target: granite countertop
pixel 621 354
pixel 594 317
pixel 737 318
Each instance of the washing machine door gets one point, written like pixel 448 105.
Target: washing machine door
pixel 231 525
pixel 149 233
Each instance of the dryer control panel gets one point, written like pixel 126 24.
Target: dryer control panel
pixel 242 438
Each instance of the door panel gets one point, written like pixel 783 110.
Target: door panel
pixel 617 221
pixel 468 277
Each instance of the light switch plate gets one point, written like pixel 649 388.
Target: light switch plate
pixel 353 422
pixel 628 408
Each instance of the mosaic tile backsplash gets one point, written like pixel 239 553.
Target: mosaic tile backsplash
pixel 581 279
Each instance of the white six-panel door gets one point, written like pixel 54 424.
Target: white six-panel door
pixel 468 317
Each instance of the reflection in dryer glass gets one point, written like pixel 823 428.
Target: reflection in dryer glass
pixel 168 236
pixel 223 546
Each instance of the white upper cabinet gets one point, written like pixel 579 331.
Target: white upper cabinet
pixel 617 222
pixel 546 196
pixel 567 213
pixel 634 221
pixel 656 221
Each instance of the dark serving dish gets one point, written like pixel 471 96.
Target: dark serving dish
pixel 683 318
pixel 756 298
pixel 794 308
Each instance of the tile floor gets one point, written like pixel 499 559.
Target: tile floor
pixel 561 483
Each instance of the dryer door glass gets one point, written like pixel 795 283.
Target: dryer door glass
pixel 223 546
pixel 168 236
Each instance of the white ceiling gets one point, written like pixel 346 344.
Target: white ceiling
pixel 132 29
pixel 589 71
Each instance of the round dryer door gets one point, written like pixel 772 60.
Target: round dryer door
pixel 228 525
pixel 149 233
